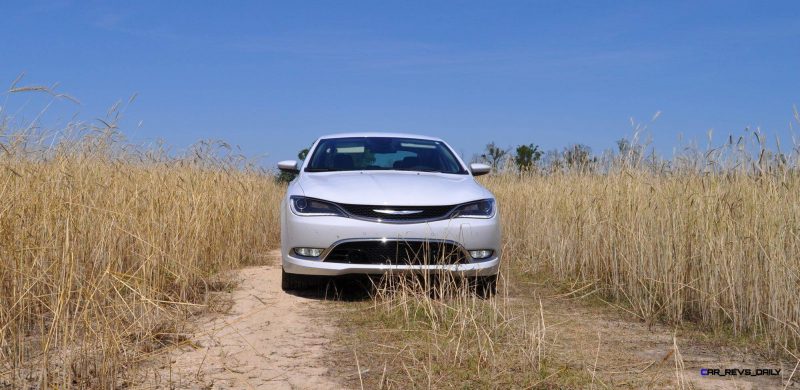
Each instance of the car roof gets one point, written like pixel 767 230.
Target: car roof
pixel 378 134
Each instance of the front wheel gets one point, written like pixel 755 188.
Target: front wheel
pixel 296 282
pixel 485 286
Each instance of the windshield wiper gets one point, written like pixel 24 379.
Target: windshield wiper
pixel 309 169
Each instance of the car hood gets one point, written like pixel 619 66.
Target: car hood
pixel 392 188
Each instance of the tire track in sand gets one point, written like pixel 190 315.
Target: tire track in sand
pixel 267 340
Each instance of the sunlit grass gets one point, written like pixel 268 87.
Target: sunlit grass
pixel 719 249
pixel 103 247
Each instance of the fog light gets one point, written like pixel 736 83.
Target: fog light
pixel 480 254
pixel 308 252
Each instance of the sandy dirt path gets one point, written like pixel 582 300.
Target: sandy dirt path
pixel 267 340
pixel 620 352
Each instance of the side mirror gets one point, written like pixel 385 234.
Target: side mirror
pixel 479 169
pixel 288 166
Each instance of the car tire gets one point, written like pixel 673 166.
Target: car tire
pixel 486 286
pixel 295 282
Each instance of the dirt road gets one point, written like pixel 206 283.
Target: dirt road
pixel 268 340
pixel 625 353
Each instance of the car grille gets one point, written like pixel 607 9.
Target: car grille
pixel 396 252
pixel 422 212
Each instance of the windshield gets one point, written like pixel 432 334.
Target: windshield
pixel 383 153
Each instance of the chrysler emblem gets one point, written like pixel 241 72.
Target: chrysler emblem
pixel 397 212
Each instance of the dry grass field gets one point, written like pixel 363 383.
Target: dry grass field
pixel 441 335
pixel 105 248
pixel 719 250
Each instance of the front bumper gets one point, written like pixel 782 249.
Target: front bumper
pixel 294 265
pixel 326 231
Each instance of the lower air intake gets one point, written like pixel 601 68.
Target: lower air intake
pixel 397 253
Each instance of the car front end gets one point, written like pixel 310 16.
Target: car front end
pixel 378 204
pixel 356 240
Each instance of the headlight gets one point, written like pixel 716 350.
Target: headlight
pixel 480 209
pixel 477 254
pixel 311 252
pixel 310 206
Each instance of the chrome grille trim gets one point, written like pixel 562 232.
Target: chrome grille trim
pixel 398 214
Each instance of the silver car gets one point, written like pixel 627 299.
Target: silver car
pixel 376 203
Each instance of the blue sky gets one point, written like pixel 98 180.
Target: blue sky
pixel 273 76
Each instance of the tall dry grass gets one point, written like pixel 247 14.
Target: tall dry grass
pixel 436 332
pixel 104 247
pixel 710 237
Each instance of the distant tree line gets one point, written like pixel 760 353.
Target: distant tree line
pixel 575 157
pixel 531 158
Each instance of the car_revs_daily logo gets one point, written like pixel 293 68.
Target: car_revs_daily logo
pixel 739 371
